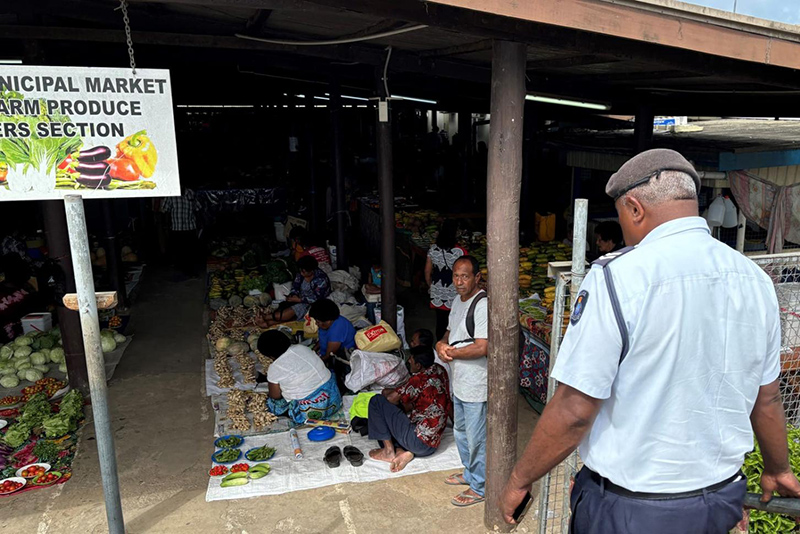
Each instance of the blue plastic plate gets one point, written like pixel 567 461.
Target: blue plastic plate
pixel 217 444
pixel 254 448
pixel 321 433
pixel 213 456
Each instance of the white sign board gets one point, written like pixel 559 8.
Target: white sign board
pixel 97 133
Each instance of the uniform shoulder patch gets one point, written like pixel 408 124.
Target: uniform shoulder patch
pixel 580 305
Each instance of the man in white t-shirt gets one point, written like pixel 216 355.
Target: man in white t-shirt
pixel 465 346
pixel 669 365
pixel 299 383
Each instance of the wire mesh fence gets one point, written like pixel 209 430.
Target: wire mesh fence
pixel 784 270
pixel 553 512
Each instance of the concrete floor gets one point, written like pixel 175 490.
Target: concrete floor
pixel 162 425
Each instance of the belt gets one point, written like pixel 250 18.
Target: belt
pixel 619 490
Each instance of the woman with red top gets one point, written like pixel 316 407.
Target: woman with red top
pixel 439 273
pixel 410 420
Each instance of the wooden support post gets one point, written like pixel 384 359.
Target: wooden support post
pixel 55 226
pixel 386 189
pixel 503 206
pixel 643 128
pixel 335 105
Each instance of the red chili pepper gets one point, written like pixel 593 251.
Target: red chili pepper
pixel 123 169
pixel 66 163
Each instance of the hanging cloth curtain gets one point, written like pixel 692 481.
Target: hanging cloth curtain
pixel 774 208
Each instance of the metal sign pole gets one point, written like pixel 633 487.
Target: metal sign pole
pixel 95 363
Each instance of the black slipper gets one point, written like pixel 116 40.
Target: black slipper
pixel 354 456
pixel 333 457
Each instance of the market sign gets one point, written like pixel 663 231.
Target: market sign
pixel 97 133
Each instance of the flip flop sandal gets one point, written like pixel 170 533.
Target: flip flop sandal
pixel 471 499
pixel 456 477
pixel 354 456
pixel 333 457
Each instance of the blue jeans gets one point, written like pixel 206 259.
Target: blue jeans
pixel 470 434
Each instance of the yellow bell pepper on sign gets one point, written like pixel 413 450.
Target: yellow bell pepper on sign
pixel 139 149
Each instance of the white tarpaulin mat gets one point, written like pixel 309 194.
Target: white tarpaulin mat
pixel 289 475
pixel 212 378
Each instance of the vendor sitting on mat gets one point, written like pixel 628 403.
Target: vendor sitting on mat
pixel 310 285
pixel 336 333
pixel 300 386
pixel 425 399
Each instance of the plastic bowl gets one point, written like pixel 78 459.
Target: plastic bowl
pixel 214 459
pixel 254 448
pixel 24 467
pixel 15 479
pixel 217 441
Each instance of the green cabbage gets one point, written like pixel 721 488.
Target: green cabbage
pixel 32 375
pixel 23 341
pixel 7 370
pixel 23 351
pixel 62 367
pixel 119 338
pixel 57 355
pixel 107 341
pixel 23 364
pixel 6 352
pixel 17 434
pixel 46 353
pixel 41 367
pixel 37 358
pixel 46 342
pixel 9 381
pixel 21 374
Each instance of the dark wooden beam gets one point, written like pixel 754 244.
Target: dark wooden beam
pixel 570 61
pixel 256 23
pixel 623 77
pixel 379 27
pixel 469 48
pixel 369 55
pixel 494 26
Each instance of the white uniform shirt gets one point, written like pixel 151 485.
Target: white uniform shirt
pixel 704 335
pixel 469 376
pixel 299 372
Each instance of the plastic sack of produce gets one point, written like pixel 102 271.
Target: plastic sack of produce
pixel 375 369
pixel 378 338
pixel 401 327
pixel 545 226
pixel 310 328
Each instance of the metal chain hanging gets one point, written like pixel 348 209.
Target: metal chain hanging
pixel 123 5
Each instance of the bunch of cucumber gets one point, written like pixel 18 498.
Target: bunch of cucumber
pixel 243 477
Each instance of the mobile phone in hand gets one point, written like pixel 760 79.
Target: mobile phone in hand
pixel 519 513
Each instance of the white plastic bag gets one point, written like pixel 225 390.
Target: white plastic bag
pixel 375 369
pixel 282 291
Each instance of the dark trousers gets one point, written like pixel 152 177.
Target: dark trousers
pixel 388 422
pixel 442 320
pixel 185 249
pixel 595 510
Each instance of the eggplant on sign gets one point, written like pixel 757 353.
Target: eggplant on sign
pixel 97 133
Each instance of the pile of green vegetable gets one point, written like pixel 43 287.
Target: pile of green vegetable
pixel 37 414
pixel 28 358
pixel 763 522
pixel 261 454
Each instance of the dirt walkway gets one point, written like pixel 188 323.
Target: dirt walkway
pixel 163 430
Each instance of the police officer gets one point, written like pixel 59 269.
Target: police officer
pixel 669 365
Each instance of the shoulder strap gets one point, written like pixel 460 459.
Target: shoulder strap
pixel 471 314
pixel 604 262
pixel 471 320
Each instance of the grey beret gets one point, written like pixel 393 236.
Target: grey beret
pixel 642 168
